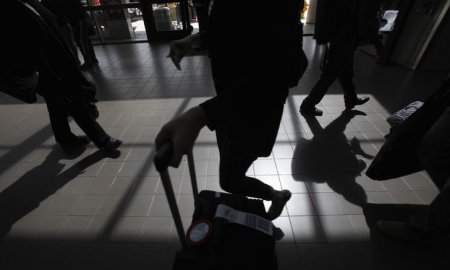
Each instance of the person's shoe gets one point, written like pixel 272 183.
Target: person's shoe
pixel 350 104
pixel 401 230
pixel 93 110
pixel 306 110
pixel 278 202
pixel 111 145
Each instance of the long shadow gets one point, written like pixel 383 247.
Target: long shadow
pixel 39 183
pixel 330 158
pixel 17 152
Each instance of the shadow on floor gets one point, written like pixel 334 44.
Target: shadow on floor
pixel 25 194
pixel 330 158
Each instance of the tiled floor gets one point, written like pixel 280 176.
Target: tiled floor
pixel 93 211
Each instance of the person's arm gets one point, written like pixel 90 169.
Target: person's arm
pixel 183 130
pixel 221 110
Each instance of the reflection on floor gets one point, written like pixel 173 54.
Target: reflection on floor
pixel 92 211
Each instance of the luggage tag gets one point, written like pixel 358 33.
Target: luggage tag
pixel 199 232
pixel 245 219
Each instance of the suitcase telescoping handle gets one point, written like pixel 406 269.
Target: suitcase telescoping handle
pixel 161 161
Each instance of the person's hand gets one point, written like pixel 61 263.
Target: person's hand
pixel 27 81
pixel 179 48
pixel 182 132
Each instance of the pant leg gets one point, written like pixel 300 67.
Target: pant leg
pixel 77 38
pixel 59 120
pixel 202 17
pixel 346 78
pixel 335 60
pixel 68 36
pixel 80 113
pixel 232 174
pixel 222 80
pixel 434 155
pixel 86 43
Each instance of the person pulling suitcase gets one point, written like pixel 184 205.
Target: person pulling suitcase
pixel 245 127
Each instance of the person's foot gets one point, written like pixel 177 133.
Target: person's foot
pixel 350 104
pixel 401 230
pixel 310 110
pixel 279 200
pixel 111 145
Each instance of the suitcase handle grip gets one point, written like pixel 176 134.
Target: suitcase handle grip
pixel 163 156
pixel 161 161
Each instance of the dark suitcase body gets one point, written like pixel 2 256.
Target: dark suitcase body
pixel 228 245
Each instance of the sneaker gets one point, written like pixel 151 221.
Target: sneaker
pixel 278 202
pixel 111 145
pixel 402 231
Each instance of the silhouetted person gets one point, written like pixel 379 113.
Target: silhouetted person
pixel 36 56
pixel 338 62
pixel 246 112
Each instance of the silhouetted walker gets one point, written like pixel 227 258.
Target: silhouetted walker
pixel 344 31
pixel 245 128
pixel 37 56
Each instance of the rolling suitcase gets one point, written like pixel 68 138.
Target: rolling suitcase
pixel 227 231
